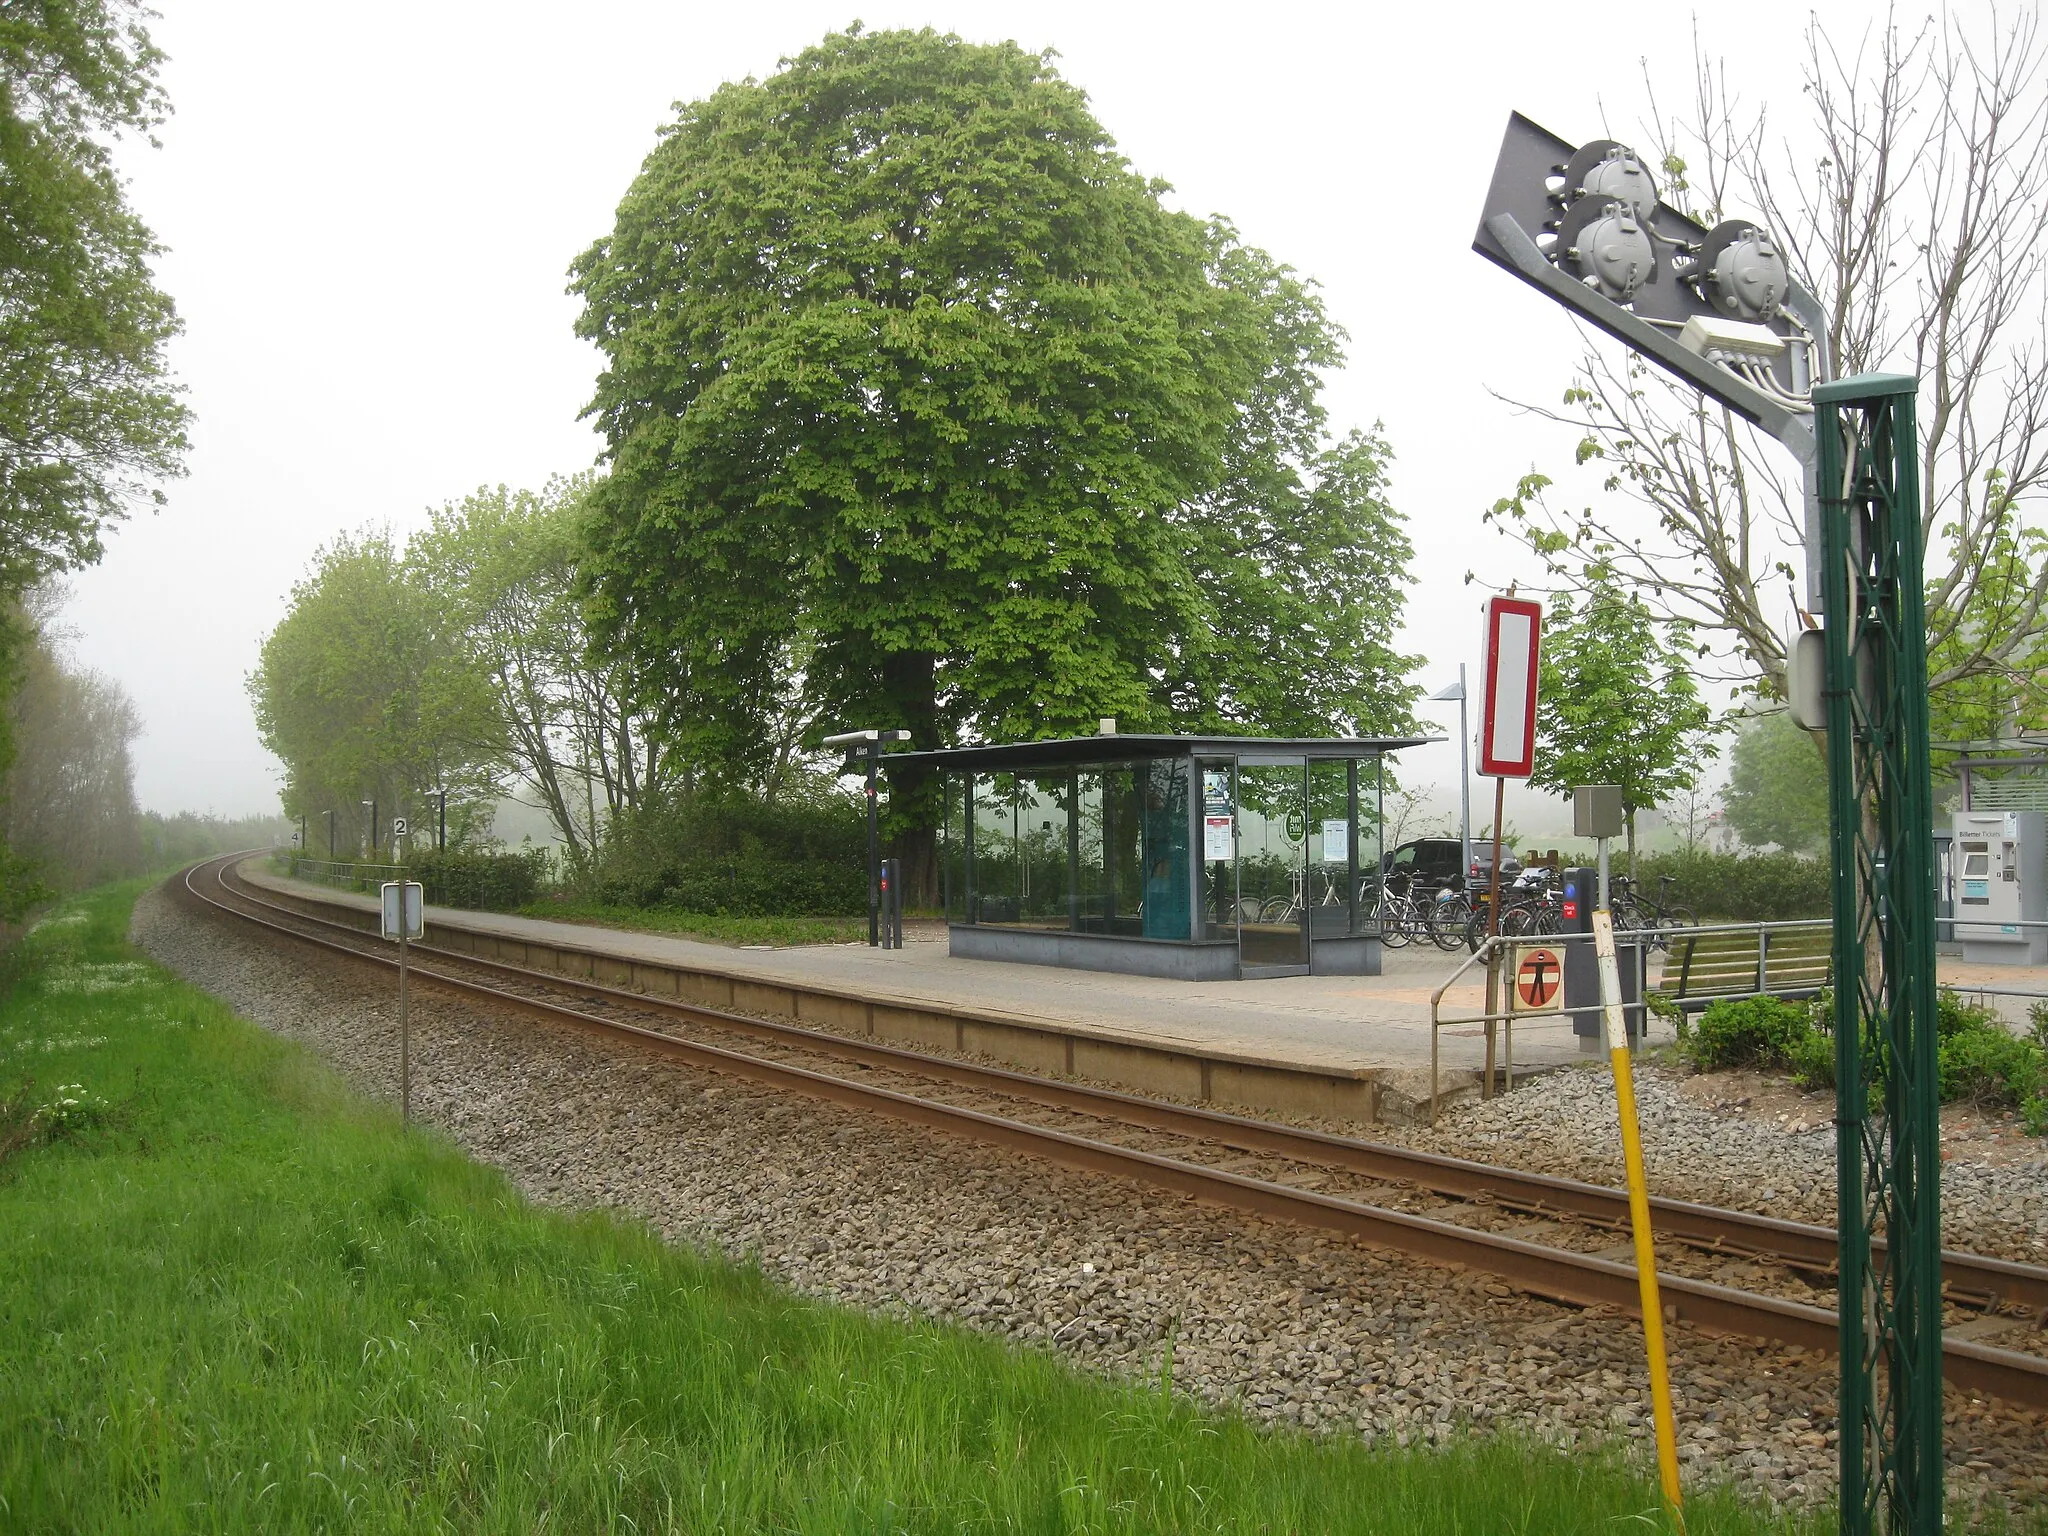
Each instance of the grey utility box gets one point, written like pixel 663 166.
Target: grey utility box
pixel 1596 811
pixel 2000 864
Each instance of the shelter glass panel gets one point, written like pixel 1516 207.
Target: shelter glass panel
pixel 1273 862
pixel 1020 852
pixel 1218 831
pixel 953 863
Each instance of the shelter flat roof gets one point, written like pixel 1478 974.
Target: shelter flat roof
pixel 1120 748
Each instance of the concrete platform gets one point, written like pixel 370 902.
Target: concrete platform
pixel 1349 1047
pixel 1346 1047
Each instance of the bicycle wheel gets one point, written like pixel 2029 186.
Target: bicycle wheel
pixel 1275 910
pixel 1475 929
pixel 1393 921
pixel 1669 921
pixel 1447 922
pixel 1518 921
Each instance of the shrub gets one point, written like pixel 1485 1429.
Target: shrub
pixel 1750 1032
pixel 484 881
pixel 1751 887
pixel 737 858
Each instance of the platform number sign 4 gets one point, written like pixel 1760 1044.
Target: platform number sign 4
pixel 1539 979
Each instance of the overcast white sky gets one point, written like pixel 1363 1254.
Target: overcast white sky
pixel 369 212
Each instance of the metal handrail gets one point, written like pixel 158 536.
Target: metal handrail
pixel 1489 952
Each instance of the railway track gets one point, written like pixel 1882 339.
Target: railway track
pixel 1728 1271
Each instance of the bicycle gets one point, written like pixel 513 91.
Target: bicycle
pixel 1400 919
pixel 1635 912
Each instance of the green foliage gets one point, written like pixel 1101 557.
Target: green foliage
pixel 259 1273
pixel 1618 704
pixel 734 857
pixel 363 691
pixel 169 842
pixel 1980 1060
pixel 917 398
pixel 712 927
pixel 1741 887
pixel 1750 1032
pixel 88 417
pixel 500 568
pixel 1778 786
pixel 481 879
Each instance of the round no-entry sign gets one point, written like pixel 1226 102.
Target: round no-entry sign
pixel 1539 979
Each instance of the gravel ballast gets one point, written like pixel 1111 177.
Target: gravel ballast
pixel 1292 1327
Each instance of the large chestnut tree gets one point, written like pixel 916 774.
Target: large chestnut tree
pixel 923 409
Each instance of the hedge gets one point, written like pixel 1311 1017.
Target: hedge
pixel 490 882
pixel 1744 887
pixel 736 858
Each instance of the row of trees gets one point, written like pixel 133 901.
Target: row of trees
pixel 922 410
pixel 455 662
pixel 89 420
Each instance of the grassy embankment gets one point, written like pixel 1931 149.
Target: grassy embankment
pixel 235 1296
pixel 714 927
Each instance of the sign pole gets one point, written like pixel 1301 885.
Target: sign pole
pixel 1500 795
pixel 404 1031
pixel 1615 1021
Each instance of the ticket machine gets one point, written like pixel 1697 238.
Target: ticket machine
pixel 1999 861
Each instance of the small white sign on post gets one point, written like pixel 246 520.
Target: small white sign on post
pixel 405 919
pixel 398 828
pixel 404 909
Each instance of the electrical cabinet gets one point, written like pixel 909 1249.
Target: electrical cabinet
pixel 1999 863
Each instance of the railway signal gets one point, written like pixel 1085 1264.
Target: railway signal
pixel 1719 308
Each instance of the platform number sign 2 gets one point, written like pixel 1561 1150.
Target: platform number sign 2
pixel 398 826
pixel 1539 979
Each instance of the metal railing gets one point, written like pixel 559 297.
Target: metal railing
pixel 1643 941
pixel 340 874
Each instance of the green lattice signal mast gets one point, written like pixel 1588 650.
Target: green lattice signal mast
pixel 1881 816
pixel 1719 309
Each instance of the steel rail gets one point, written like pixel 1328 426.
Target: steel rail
pixel 1801 1245
pixel 1575 1278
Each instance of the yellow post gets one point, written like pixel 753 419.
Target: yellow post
pixel 1639 1211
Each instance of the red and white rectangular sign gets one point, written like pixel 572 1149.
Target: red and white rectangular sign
pixel 1507 718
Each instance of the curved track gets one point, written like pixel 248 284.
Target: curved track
pixel 1268 1168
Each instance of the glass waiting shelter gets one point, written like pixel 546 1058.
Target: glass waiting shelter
pixel 1197 857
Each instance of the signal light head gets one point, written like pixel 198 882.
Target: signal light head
pixel 1609 247
pixel 1609 171
pixel 1741 271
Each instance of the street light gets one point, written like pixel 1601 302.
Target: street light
pixel 874 741
pixel 1457 691
pixel 372 804
pixel 441 839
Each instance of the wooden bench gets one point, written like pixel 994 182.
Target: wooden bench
pixel 1700 969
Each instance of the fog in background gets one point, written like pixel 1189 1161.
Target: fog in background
pixel 370 212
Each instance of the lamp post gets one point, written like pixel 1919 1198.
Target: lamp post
pixel 372 804
pixel 441 837
pixel 330 837
pixel 1457 691
pixel 874 741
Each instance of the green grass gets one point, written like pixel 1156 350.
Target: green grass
pixel 234 1296
pixel 711 926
